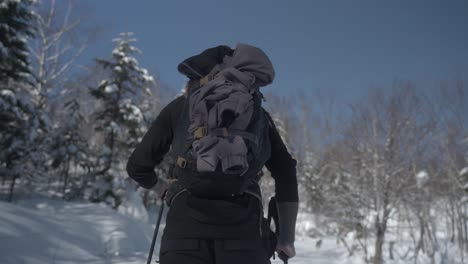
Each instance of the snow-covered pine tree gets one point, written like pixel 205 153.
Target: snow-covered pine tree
pixel 15 27
pixel 464 173
pixel 20 124
pixel 69 150
pixel 119 120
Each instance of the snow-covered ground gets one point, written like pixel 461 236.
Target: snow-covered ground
pixel 48 231
pixel 40 231
pixel 57 232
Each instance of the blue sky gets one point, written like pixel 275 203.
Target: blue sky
pixel 340 46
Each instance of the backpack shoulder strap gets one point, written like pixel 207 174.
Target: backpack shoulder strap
pixel 180 133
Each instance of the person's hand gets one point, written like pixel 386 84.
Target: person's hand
pixel 286 249
pixel 287 215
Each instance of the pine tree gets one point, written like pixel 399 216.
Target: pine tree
pixel 120 119
pixel 69 150
pixel 15 27
pixel 464 174
pixel 20 123
pixel 17 135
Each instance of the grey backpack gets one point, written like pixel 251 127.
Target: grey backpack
pixel 222 142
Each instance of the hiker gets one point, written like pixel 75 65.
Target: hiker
pixel 220 138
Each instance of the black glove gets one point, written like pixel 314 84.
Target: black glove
pixel 175 188
pixel 287 216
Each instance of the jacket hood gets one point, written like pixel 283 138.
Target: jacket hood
pixel 200 65
pixel 252 61
pixel 244 58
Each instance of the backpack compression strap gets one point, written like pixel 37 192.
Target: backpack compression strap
pixel 224 132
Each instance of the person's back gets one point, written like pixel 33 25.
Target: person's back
pixel 212 228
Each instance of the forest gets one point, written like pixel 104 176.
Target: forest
pixel 386 175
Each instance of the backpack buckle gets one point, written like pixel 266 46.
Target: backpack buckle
pixel 181 162
pixel 225 131
pixel 206 79
pixel 200 132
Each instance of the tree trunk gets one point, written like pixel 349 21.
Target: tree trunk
pixel 392 244
pixel 380 236
pixel 420 246
pixel 350 249
pixel 464 219
pixel 453 220
pixel 12 189
pixel 460 232
pixel 146 199
pixel 381 226
pixel 431 235
pixel 65 180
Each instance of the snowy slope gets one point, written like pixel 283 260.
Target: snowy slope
pixel 307 253
pixel 56 232
pixel 70 233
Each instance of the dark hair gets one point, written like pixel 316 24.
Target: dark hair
pixel 191 84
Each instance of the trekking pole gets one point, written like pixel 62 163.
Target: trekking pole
pixel 273 214
pixel 283 257
pixel 155 235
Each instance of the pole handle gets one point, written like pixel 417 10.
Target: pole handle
pixel 283 257
pixel 155 235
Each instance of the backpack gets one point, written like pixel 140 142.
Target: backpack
pixel 222 140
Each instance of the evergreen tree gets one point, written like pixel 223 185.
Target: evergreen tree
pixel 464 174
pixel 69 150
pixel 20 123
pixel 119 119
pixel 15 27
pixel 18 134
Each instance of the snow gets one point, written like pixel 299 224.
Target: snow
pixel 421 178
pixel 464 200
pixel 103 82
pixel 111 88
pixel 115 127
pixel 3 49
pixel 146 76
pixel 118 53
pixel 57 232
pixel 133 205
pixel 7 93
pixel 49 231
pixel 131 112
pixel 130 60
pixel 307 252
pixel 40 231
pixel 4 4
pixel 10 100
pixel 464 171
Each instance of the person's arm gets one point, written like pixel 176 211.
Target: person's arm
pixel 154 145
pixel 282 167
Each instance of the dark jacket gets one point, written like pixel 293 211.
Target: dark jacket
pixel 193 217
pixel 157 142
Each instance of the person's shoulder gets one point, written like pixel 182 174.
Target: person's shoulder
pixel 176 104
pixel 271 123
